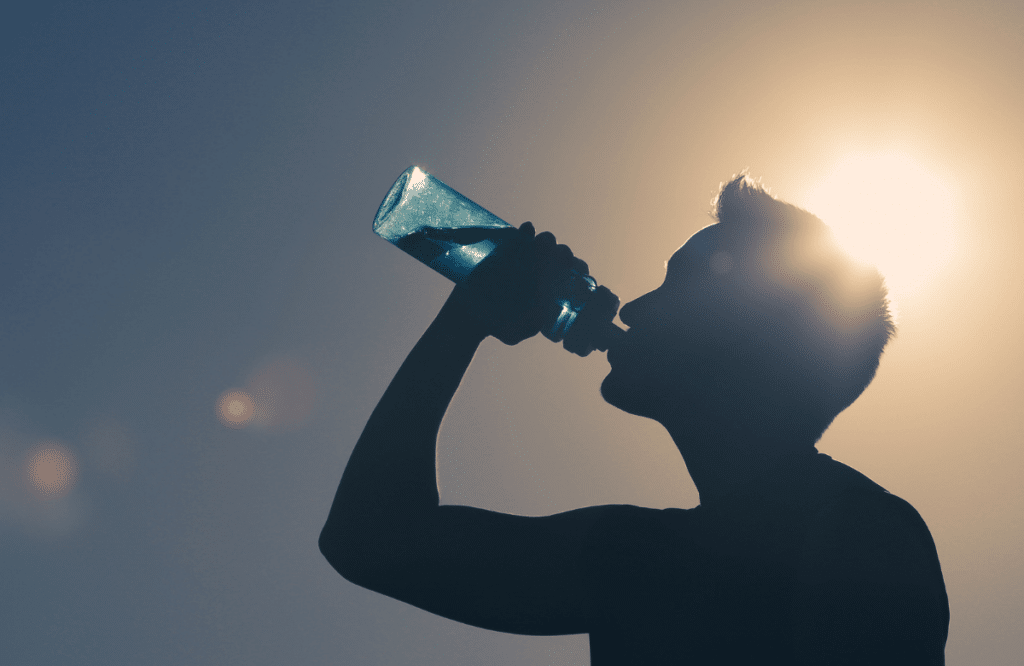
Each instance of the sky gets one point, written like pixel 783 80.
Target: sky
pixel 186 197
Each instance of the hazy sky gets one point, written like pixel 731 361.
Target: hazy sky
pixel 186 193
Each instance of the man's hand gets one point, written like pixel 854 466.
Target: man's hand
pixel 509 295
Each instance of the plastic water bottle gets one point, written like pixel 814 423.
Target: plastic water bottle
pixel 453 235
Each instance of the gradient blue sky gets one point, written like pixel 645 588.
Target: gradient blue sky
pixel 186 192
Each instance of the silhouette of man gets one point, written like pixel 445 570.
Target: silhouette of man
pixel 762 332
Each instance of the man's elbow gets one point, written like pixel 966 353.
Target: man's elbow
pixel 356 559
pixel 341 554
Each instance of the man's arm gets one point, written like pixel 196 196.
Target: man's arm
pixel 389 488
pixel 387 532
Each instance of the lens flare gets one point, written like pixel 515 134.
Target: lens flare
pixel 235 408
pixel 284 393
pixel 888 210
pixel 51 470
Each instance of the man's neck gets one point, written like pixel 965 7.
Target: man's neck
pixel 722 459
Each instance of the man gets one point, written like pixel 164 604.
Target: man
pixel 761 333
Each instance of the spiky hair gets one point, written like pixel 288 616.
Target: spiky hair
pixel 817 319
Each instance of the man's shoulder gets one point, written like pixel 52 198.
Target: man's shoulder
pixel 856 506
pixel 869 567
pixel 871 534
pixel 832 477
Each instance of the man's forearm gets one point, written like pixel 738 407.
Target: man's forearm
pixel 390 483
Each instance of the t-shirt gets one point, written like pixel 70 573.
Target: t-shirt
pixel 814 564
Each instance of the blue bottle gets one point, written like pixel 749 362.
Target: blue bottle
pixel 453 235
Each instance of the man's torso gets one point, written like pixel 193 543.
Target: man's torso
pixel 727 582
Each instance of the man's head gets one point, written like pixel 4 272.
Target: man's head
pixel 762 323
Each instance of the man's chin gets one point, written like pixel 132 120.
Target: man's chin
pixel 617 395
pixel 636 398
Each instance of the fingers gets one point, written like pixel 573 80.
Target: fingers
pixel 545 240
pixel 559 255
pixel 512 296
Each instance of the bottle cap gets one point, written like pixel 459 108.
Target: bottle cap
pixel 593 328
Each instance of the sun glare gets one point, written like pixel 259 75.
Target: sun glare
pixel 888 210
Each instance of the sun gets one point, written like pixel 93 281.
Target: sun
pixel 889 210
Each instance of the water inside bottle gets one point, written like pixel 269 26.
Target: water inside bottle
pixel 455 252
